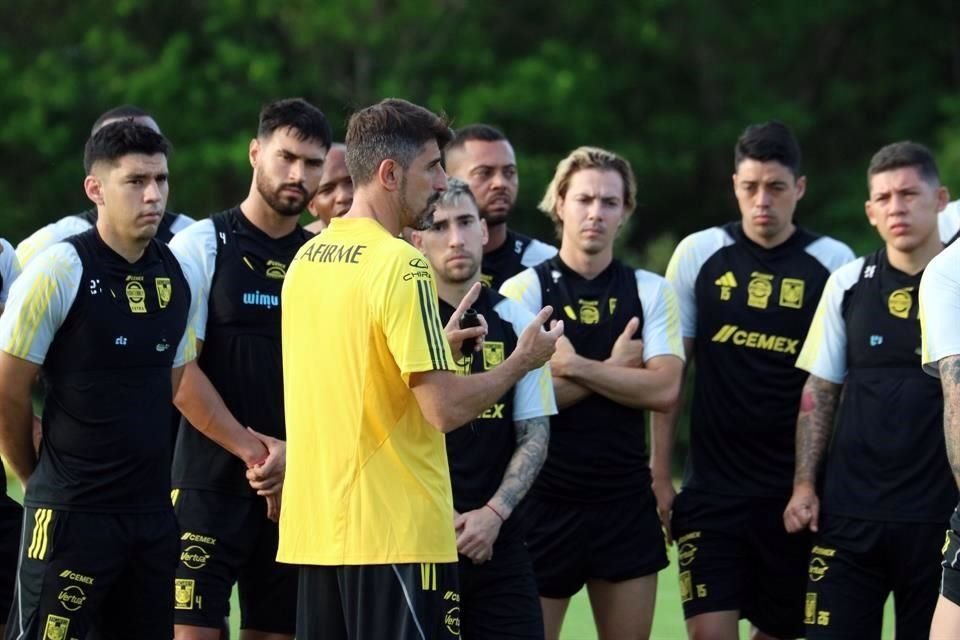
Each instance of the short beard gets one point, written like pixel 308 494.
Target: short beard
pixel 497 219
pixel 281 205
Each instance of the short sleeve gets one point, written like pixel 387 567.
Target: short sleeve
pixel 824 352
pixel 48 236
pixel 661 317
pixel 940 309
pixel 408 311
pixel 533 394
pixel 9 268
pixel 524 288
pixel 39 302
pixel 196 249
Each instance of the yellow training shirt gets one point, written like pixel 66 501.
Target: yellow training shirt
pixel 367 480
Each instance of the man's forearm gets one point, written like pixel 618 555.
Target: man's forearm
pixel 818 406
pixel 646 388
pixel 567 392
pixel 200 403
pixel 663 435
pixel 533 439
pixel 950 381
pixel 16 437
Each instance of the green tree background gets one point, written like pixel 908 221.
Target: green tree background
pixel 668 83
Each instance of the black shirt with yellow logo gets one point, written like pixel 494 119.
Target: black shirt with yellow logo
pixel 748 309
pixel 518 252
pixel 244 269
pixel 887 460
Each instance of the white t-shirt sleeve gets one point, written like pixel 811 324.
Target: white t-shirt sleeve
pixel 536 252
pixel 684 267
pixel 661 317
pixel 182 222
pixel 524 288
pixel 48 236
pixel 9 268
pixel 940 308
pixel 948 221
pixel 831 253
pixel 196 249
pixel 39 302
pixel 824 352
pixel 533 394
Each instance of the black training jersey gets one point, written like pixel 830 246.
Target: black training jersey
pixel 887 460
pixel 239 323
pixel 518 252
pixel 748 309
pixel 598 447
pixel 107 333
pixel 480 451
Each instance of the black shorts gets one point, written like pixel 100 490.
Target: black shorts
pixel 855 564
pixel 950 580
pixel 11 524
pixel 734 554
pixel 382 601
pixel 499 597
pixel 226 539
pixel 612 541
pixel 80 570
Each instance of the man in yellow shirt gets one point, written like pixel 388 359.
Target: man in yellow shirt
pixel 369 393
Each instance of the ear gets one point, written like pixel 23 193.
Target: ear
pixel 416 239
pixel 943 198
pixel 312 207
pixel 389 174
pixel 870 215
pixel 484 232
pixel 93 187
pixel 801 186
pixel 254 152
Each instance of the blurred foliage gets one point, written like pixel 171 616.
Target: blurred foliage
pixel 668 83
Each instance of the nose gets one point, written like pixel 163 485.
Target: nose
pixel 898 204
pixel 440 180
pixel 764 197
pixel 153 192
pixel 295 172
pixel 456 236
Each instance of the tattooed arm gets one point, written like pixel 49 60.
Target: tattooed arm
pixel 818 405
pixel 477 530
pixel 950 381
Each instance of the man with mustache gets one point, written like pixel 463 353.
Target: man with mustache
pixel 747 293
pixel 496 457
pixel 886 493
pixel 481 156
pixel 593 518
pixel 335 193
pixel 67 226
pixel 367 507
pixel 233 394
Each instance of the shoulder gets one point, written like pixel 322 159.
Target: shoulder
pixel 537 252
pixel 829 252
pixel 511 311
pixel 847 275
pixel 197 234
pixel 60 261
pixel 697 247
pixel 525 285
pixel 180 222
pixel 945 266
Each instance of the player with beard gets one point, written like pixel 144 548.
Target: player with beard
pixel 481 156
pixel 335 193
pixel 242 255
pixel 67 226
pixel 495 459
pixel 367 505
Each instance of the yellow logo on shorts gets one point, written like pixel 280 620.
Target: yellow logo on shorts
pixel 72 598
pixel 492 354
pixel 194 557
pixel 451 620
pixel 686 586
pixel 810 609
pixel 686 553
pixel 818 569
pixel 56 628
pixel 183 594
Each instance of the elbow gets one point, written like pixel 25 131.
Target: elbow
pixel 667 399
pixel 444 421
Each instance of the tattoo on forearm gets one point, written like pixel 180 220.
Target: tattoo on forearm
pixel 533 437
pixel 950 381
pixel 818 405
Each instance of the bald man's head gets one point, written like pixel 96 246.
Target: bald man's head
pixel 335 194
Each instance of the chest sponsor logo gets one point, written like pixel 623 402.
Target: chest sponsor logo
pixel 727 283
pixel 493 354
pixel 257 299
pixel 493 413
pixel 72 598
pixel 183 594
pixel 56 627
pixel 164 291
pixel 276 270
pixel 590 311
pixel 136 295
pixel 756 340
pixel 194 557
pixel 486 280
pixel 76 577
pixel 791 293
pixel 759 290
pixel 900 302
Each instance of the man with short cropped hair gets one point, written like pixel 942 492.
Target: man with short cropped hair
pixel 335 193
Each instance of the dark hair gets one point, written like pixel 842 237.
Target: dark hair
pixel 307 122
pixel 905 154
pixel 123 112
pixel 391 129
pixel 767 142
pixel 478 131
pixel 117 139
